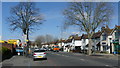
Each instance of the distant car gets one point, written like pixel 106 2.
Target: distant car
pixel 19 51
pixel 49 49
pixel 43 49
pixel 36 49
pixel 39 54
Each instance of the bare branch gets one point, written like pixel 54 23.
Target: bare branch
pixel 24 16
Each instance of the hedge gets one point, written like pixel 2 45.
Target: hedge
pixel 5 52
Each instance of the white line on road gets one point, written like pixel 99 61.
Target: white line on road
pixel 106 65
pixel 66 56
pixel 82 59
pixel 62 55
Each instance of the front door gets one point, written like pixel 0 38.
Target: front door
pixel 110 48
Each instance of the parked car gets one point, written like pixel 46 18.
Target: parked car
pixel 39 54
pixel 43 49
pixel 19 51
pixel 49 49
pixel 36 48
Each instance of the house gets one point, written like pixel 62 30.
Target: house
pixel 73 43
pixel 105 39
pixel 51 44
pixel 115 41
pixel 76 43
pixel 96 41
pixel 45 45
pixel 85 41
pixel 67 45
pixel 61 44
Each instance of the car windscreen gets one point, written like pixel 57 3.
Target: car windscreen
pixel 56 46
pixel 39 51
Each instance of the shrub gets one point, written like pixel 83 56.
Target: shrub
pixel 6 53
pixel 4 50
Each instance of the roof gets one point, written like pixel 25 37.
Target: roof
pixel 97 34
pixel 77 38
pixel 68 40
pixel 118 27
pixel 60 41
pixel 84 36
pixel 107 30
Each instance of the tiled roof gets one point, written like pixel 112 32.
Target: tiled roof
pixel 118 27
pixel 60 41
pixel 84 36
pixel 77 38
pixel 107 30
pixel 97 35
pixel 68 40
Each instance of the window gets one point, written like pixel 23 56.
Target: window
pixel 117 34
pixel 19 48
pixel 56 46
pixel 104 37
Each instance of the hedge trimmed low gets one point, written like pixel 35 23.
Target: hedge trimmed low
pixel 6 53
pixel 3 50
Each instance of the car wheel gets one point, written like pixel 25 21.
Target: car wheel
pixel 45 58
pixel 34 59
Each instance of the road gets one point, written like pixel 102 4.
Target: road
pixel 62 59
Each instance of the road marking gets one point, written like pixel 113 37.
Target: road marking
pixel 62 55
pixel 106 65
pixel 82 59
pixel 66 56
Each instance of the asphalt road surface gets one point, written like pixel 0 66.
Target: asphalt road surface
pixel 62 59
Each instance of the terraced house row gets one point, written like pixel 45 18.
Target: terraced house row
pixel 105 40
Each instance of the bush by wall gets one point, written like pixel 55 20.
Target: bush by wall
pixel 5 52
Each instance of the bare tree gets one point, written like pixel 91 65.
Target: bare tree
pixel 25 17
pixel 88 16
pixel 39 40
pixel 45 39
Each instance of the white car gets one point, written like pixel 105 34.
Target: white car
pixel 39 54
pixel 36 48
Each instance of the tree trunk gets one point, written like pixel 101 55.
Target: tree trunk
pixel 27 34
pixel 89 46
